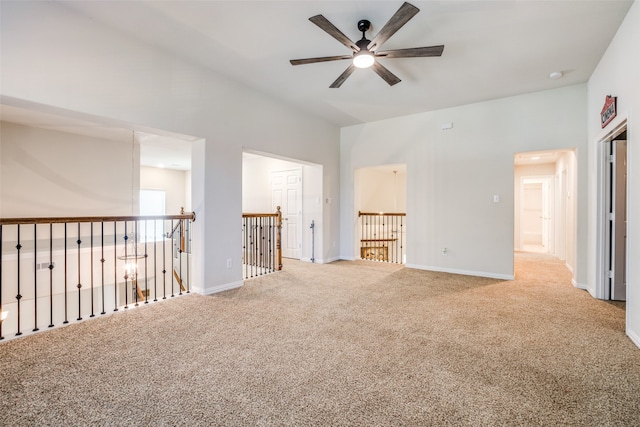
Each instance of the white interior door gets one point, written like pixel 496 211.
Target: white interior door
pixel 286 192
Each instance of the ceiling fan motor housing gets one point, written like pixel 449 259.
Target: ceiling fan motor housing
pixel 364 25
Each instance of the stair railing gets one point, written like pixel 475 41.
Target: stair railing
pixel 261 243
pixel 62 267
pixel 382 236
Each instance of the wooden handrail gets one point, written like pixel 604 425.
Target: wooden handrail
pixel 75 219
pixel 382 213
pixel 263 215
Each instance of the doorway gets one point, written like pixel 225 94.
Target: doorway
pixel 296 186
pixel 544 203
pixel 380 202
pixel 614 166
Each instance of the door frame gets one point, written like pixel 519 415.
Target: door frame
pixel 602 290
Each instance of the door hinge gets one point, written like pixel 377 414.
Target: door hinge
pixel 610 274
pixel 611 216
pixel 611 158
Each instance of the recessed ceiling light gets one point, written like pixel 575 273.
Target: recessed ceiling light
pixel 535 158
pixel 555 74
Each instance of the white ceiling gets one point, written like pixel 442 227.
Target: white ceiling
pixel 493 49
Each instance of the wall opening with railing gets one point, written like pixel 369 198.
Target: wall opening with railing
pixel 57 270
pixel 383 236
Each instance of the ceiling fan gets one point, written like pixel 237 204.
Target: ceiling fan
pixel 365 52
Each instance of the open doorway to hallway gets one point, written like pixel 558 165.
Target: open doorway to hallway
pixel 380 200
pixel 544 203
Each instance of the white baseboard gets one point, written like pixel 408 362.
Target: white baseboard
pixel 566 264
pixel 345 258
pixel 464 272
pixel 582 286
pixel 328 260
pixel 319 261
pixel 220 288
pixel 635 338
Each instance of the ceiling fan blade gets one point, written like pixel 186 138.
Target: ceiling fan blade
pixel 412 52
pixel 321 59
pixel 386 75
pixel 331 29
pixel 350 69
pixel 401 17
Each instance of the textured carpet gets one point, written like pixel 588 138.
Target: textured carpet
pixel 348 343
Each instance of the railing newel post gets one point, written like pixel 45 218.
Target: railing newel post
pixel 279 237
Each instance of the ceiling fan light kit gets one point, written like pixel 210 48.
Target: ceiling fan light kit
pixel 365 52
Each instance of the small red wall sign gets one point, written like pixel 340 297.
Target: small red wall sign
pixel 608 111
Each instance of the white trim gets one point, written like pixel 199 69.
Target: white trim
pixel 344 258
pixel 600 289
pixel 463 272
pixel 329 260
pixel 582 286
pixel 220 288
pixel 635 338
pixel 568 267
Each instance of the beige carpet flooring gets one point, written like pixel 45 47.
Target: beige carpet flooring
pixel 343 344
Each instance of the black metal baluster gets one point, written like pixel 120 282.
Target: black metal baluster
pixel 126 273
pixel 271 269
pixel 134 265
pixel 261 244
pixel 146 260
pixel 66 318
pixel 164 261
pixel 35 278
pixel 245 255
pixel 91 281
pixel 79 284
pixel 115 265
pixel 188 243
pixel 102 263
pixel 51 275
pixel 401 235
pixel 180 255
pixel 395 239
pixel 172 260
pixel 18 296
pixel 155 261
pixel 255 248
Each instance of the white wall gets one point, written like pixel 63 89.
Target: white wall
pixel 172 182
pixel 56 57
pixel 51 173
pixel 617 75
pixel 452 175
